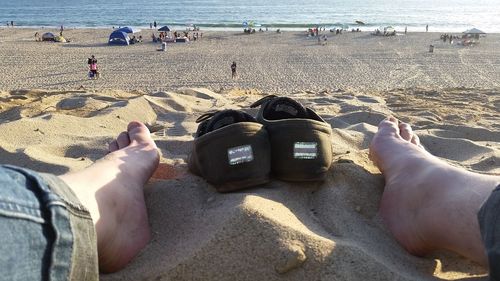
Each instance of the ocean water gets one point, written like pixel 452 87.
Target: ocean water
pixel 440 15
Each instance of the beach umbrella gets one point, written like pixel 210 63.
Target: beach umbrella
pixel 164 28
pixel 248 24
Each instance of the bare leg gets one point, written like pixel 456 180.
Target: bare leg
pixel 427 203
pixel 112 190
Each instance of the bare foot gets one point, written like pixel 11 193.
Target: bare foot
pixel 112 190
pixel 427 203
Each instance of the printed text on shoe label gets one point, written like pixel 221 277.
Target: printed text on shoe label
pixel 240 154
pixel 305 150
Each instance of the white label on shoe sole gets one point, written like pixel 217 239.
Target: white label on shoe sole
pixel 305 150
pixel 240 154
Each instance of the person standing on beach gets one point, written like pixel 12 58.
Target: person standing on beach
pixel 427 28
pixel 150 25
pixel 92 62
pixel 12 23
pixel 406 29
pixel 154 24
pixel 233 70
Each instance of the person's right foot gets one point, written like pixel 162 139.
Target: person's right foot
pixel 112 190
pixel 428 204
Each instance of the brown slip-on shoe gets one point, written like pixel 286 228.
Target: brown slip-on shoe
pixel 231 151
pixel 301 147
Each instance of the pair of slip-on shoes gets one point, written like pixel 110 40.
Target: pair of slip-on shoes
pixel 233 150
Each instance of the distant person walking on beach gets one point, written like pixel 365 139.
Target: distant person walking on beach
pixel 92 62
pixel 406 29
pixel 12 23
pixel 154 24
pixel 62 29
pixel 233 70
pixel 150 25
pixel 427 28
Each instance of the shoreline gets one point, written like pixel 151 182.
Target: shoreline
pixel 272 28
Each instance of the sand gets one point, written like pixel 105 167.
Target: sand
pixel 278 63
pixel 281 230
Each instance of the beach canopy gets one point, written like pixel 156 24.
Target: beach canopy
pixel 164 28
pixel 48 36
pixel 128 29
pixel 118 38
pixel 251 24
pixel 474 31
pixel 248 23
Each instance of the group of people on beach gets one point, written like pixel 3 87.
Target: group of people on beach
pixel 448 37
pixel 186 35
pixel 385 32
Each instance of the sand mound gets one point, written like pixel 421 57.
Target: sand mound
pixel 280 231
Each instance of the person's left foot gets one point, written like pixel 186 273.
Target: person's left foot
pixel 112 190
pixel 427 203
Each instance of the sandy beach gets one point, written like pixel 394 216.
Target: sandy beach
pixel 279 231
pixel 278 63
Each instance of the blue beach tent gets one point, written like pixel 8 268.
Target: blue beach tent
pixel 128 29
pixel 118 38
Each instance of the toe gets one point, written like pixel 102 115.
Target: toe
pixel 405 131
pixel 123 140
pixel 113 146
pixel 392 119
pixel 388 126
pixel 138 132
pixel 415 140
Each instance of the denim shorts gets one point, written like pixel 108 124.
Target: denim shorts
pixel 46 234
pixel 489 223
